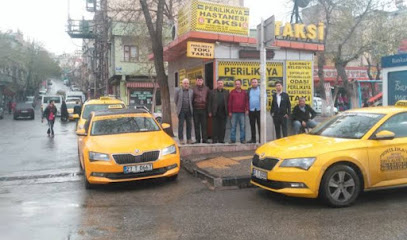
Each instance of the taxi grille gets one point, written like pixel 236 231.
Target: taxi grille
pixel 267 163
pixel 129 158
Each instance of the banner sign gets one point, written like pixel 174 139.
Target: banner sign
pixel 212 17
pixel 200 50
pixel 245 71
pixel 299 81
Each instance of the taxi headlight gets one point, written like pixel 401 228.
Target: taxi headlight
pixel 169 150
pixel 95 156
pixel 303 163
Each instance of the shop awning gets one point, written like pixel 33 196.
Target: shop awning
pixel 178 47
pixel 141 85
pixel 375 98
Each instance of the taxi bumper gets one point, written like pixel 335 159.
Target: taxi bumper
pixel 293 182
pixel 100 172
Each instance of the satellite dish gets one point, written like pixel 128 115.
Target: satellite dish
pixel 302 3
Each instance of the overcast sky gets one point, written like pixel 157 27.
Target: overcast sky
pixel 45 20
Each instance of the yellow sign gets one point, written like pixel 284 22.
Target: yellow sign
pixel 299 81
pixel 192 74
pixel 401 103
pixel 200 50
pixel 212 17
pixel 299 31
pixel 245 71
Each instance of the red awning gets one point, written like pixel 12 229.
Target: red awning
pixel 141 85
pixel 375 98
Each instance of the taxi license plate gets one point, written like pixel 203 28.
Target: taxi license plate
pixel 138 168
pixel 259 174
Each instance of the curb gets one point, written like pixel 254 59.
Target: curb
pixel 216 182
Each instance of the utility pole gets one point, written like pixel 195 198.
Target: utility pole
pixel 265 35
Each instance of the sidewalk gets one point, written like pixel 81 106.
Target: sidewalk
pixel 227 169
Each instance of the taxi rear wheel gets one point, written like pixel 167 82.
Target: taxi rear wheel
pixel 340 186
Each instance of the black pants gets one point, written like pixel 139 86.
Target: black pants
pixel 280 123
pixel 184 116
pixel 254 117
pixel 200 122
pixel 51 127
pixel 219 127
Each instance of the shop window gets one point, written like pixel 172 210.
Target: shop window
pixel 176 79
pixel 131 53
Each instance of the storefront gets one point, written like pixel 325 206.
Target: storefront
pixel 214 41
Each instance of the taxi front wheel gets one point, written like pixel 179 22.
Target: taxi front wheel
pixel 340 186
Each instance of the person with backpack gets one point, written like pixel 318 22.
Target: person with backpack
pixel 50 114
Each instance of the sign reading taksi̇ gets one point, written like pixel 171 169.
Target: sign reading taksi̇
pixel 211 17
pixel 299 32
pixel 200 50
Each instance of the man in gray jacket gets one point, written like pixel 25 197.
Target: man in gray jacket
pixel 183 101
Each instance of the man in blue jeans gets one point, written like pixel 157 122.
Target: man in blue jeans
pixel 238 106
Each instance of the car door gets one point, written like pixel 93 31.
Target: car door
pixel 388 158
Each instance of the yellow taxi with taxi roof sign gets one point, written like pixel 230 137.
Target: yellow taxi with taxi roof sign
pixel 100 104
pixel 358 150
pixel 126 145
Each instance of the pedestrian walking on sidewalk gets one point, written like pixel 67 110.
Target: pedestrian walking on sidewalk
pixel 183 100
pixel 218 110
pixel 237 108
pixel 254 108
pixel 200 103
pixel 50 114
pixel 280 110
pixel 302 116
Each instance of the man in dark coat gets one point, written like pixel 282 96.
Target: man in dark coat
pixel 302 116
pixel 50 114
pixel 280 110
pixel 218 109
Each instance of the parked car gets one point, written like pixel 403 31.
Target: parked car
pixel 77 94
pixel 358 150
pixel 126 145
pixel 24 110
pixel 31 100
pixel 1 113
pixel 317 106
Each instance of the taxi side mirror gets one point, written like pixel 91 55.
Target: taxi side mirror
pixel 81 132
pixel 165 125
pixel 384 135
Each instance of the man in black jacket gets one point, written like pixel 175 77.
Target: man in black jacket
pixel 280 110
pixel 218 109
pixel 302 116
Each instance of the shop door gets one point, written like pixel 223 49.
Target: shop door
pixel 141 97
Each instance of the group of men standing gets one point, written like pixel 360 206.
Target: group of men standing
pixel 200 102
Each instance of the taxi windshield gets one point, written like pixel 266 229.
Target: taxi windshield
pixel 94 108
pixel 348 125
pixel 123 125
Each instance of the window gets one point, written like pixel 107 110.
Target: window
pixel 130 53
pixel 396 124
pixel 124 125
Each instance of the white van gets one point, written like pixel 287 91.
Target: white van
pixel 57 102
pixel 75 95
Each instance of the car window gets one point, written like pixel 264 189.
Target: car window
pixel 396 124
pixel 94 108
pixel 348 125
pixel 55 99
pixel 124 125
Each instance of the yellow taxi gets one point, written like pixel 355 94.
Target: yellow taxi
pixel 71 106
pixel 102 103
pixel 124 145
pixel 358 150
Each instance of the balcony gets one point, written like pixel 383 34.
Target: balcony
pixel 81 29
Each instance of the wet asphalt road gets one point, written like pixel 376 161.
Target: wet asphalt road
pixel 43 197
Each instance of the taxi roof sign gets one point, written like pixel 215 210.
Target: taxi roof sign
pixel 401 103
pixel 116 106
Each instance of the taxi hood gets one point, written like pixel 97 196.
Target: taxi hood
pixel 129 142
pixel 306 145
